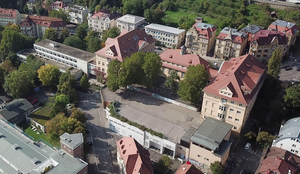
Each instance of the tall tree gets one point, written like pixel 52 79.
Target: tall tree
pixel 264 139
pixel 93 44
pixel 84 82
pixel 274 63
pixel 216 167
pixel 196 78
pixel 32 65
pixel 51 34
pixel 78 115
pixel 49 75
pixel 292 96
pixel 113 74
pixel 172 81
pixel 59 14
pixel 48 4
pixel 2 76
pixel 64 34
pixel 8 67
pixel 66 77
pixel 152 68
pixel 111 33
pixel 81 31
pixel 75 41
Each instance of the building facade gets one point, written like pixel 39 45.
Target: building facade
pixel 188 168
pixel 36 25
pixel 129 22
pixel 288 28
pixel 289 136
pixel 133 158
pixel 67 55
pixel 230 43
pixel 103 20
pixel 123 46
pixel 201 38
pixel 72 144
pixel 9 16
pixel 231 95
pixel 265 42
pixel 77 14
pixel 168 36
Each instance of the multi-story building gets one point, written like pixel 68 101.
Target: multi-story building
pixel 288 28
pixel 103 20
pixel 19 154
pixel 133 158
pixel 289 136
pixel 168 36
pixel 9 16
pixel 129 22
pixel 123 46
pixel 188 168
pixel 77 14
pixel 178 60
pixel 201 38
pixel 265 42
pixel 230 43
pixel 251 30
pixel 232 94
pixel 210 142
pixel 279 161
pixel 67 55
pixel 72 144
pixel 57 5
pixel 36 25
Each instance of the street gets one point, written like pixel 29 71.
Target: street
pixel 101 154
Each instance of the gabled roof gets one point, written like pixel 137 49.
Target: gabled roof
pixel 136 158
pixel 243 75
pixel 8 13
pixel 265 37
pixel 279 161
pixel 232 34
pixel 106 14
pixel 188 169
pixel 15 108
pixel 204 30
pixel 290 129
pixel 72 140
pixel 284 27
pixel 43 21
pixel 125 44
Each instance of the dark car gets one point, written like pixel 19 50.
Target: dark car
pixel 34 102
pixel 158 48
pixel 288 68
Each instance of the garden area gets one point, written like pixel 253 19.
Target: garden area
pixel 42 115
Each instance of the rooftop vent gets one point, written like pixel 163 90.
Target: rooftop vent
pixel 53 45
pixel 124 151
pixel 122 147
pixel 15 146
pixel 190 61
pixel 62 153
pixel 171 56
pixel 247 65
pixel 121 141
pixel 35 160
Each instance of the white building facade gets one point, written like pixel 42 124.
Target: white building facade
pixel 169 36
pixel 100 21
pixel 129 22
pixel 9 16
pixel 289 136
pixel 77 13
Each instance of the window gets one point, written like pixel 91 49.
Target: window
pixel 240 104
pixel 103 63
pixel 103 70
pixel 234 127
pixel 170 71
pixel 206 159
pixel 221 116
pixel 99 63
pixel 296 151
pixel 294 145
pixel 182 75
pixel 224 101
pixel 229 117
pixel 237 119
pixel 232 102
pixel 222 108
pixel 199 156
pixel 238 112
pixel 231 110
pixel 292 150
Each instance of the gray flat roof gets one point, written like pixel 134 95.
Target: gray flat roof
pixel 164 28
pixel 15 108
pixel 283 23
pixel 234 32
pixel 189 133
pixel 71 140
pixel 211 133
pixel 224 146
pixel 129 18
pixel 290 129
pixel 67 50
pixel 204 25
pixel 251 29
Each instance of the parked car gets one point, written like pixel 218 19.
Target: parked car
pixel 288 68
pixel 158 48
pixel 248 145
pixel 34 101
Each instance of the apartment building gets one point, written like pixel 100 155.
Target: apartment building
pixel 132 157
pixel 19 154
pixel 123 46
pixel 201 38
pixel 129 22
pixel 9 16
pixel 210 143
pixel 36 25
pixel 77 14
pixel 178 60
pixel 289 136
pixel 103 20
pixel 72 144
pixel 230 43
pixel 168 36
pixel 57 5
pixel 251 30
pixel 188 168
pixel 288 28
pixel 232 94
pixel 265 42
pixel 66 55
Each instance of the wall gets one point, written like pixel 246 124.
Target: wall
pixel 201 155
pixel 36 124
pixel 77 152
pixel 287 144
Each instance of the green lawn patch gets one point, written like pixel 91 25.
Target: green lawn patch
pixel 42 115
pixel 172 18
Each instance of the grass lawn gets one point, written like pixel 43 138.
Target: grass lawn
pixel 173 17
pixel 42 115
pixel 27 129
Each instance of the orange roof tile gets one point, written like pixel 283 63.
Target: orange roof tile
pixel 43 21
pixel 242 75
pixel 188 169
pixel 284 27
pixel 8 13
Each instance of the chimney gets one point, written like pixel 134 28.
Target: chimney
pixel 183 168
pixel 290 172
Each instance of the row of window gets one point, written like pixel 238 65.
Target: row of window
pixel 204 158
pixel 294 151
pixel 58 60
pixel 224 101
pixel 170 71
pixel 56 54
pixel 159 33
pixel 165 39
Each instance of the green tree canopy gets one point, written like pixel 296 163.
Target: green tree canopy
pixel 78 115
pixel 64 34
pixel 186 23
pixel 165 161
pixel 274 63
pixel 264 139
pixel 113 74
pixel 81 30
pixel 84 82
pixel 67 77
pixel 250 135
pixel 216 167
pixel 49 75
pixel 172 81
pixel 93 42
pixel 196 78
pixel 31 66
pixel 58 104
pixel 51 34
pixel 292 96
pixel 75 41
pixel 151 68
pixel 111 33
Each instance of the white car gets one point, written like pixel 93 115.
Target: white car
pixel 248 145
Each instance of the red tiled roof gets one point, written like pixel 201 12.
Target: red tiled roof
pixel 279 161
pixel 43 21
pixel 235 36
pixel 204 33
pixel 136 158
pixel 8 13
pixel 188 169
pixel 241 75
pixel 126 44
pixel 284 29
pixel 174 56
pixel 265 37
pixel 106 13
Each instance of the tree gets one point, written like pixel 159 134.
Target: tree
pixel 264 139
pixel 186 23
pixel 51 34
pixel 78 115
pixel 152 68
pixel 98 8
pixel 216 167
pixel 81 31
pixel 64 34
pixel 274 63
pixel 250 135
pixel 49 75
pixel 48 4
pixel 292 96
pixel 58 104
pixel 113 74
pixel 66 77
pixel 59 14
pixel 2 76
pixel 31 66
pixel 8 67
pixel 55 126
pixel 84 82
pixel 75 41
pixel 18 84
pixel 111 33
pixel 25 9
pixel 165 161
pixel 93 42
pixel 196 78
pixel 171 81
